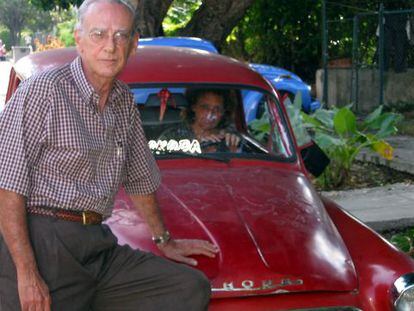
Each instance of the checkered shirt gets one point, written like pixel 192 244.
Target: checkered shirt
pixel 58 150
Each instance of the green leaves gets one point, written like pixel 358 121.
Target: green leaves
pixel 325 117
pixel 404 241
pixel 342 137
pixel 296 119
pixel 260 127
pixel 345 122
pixel 326 141
pixel 373 116
pixel 384 123
pixel 179 14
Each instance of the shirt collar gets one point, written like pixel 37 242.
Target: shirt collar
pixel 87 92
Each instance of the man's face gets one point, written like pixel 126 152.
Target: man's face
pixel 105 41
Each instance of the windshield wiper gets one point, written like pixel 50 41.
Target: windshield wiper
pixel 207 156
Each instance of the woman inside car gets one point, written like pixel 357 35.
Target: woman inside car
pixel 208 120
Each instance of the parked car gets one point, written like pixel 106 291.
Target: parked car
pixel 182 42
pixel 285 82
pixel 282 245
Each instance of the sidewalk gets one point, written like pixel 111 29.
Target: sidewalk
pixel 381 208
pixel 386 207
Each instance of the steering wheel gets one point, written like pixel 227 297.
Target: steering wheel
pixel 221 146
pixel 217 146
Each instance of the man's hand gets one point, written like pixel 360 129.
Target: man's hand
pixel 179 250
pixel 33 292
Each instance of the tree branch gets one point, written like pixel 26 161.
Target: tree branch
pixel 215 19
pixel 151 13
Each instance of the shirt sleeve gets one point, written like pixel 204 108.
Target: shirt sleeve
pixel 21 130
pixel 142 173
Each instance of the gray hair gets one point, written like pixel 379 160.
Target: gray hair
pixel 87 3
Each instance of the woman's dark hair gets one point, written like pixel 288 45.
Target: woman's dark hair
pixel 194 94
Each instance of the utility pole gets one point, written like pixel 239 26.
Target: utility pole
pixel 381 53
pixel 325 53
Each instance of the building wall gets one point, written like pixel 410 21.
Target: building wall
pixel 398 87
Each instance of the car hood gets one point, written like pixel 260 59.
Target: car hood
pixel 272 230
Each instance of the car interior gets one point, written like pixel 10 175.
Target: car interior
pixel 150 111
pixel 162 108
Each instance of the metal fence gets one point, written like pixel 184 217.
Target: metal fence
pixel 361 51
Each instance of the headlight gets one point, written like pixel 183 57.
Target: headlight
pixel 404 293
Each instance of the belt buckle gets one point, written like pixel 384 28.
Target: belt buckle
pixel 88 218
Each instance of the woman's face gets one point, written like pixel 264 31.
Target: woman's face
pixel 208 110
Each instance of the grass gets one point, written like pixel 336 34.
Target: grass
pixel 402 238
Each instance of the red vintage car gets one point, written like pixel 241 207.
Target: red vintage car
pixel 282 245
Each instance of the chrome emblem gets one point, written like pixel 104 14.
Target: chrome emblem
pixel 248 285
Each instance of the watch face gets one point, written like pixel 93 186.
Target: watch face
pixel 165 237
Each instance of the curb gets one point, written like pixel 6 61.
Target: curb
pixel 402 166
pixel 381 226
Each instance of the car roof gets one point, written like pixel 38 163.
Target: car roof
pixel 158 64
pixel 187 42
pixel 272 72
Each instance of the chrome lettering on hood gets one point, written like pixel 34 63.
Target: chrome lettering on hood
pixel 248 285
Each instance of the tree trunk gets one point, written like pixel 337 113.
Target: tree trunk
pixel 151 13
pixel 13 14
pixel 215 19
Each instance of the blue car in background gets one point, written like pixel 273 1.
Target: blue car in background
pixel 285 82
pixel 183 42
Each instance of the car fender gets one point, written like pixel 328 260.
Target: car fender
pixel 378 262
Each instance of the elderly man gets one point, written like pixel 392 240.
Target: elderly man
pixel 68 138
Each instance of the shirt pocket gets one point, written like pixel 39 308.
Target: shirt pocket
pixel 75 161
pixel 71 150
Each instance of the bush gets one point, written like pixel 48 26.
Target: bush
pixel 5 37
pixel 338 133
pixel 51 43
pixel 404 241
pixel 342 138
pixel 65 32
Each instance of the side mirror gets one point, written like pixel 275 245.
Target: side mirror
pixel 314 158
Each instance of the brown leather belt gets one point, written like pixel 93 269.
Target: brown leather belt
pixel 85 217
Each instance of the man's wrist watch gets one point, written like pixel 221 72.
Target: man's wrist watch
pixel 162 239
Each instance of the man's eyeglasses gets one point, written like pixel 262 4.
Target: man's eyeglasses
pixel 120 38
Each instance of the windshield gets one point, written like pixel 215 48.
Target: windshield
pixel 212 122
